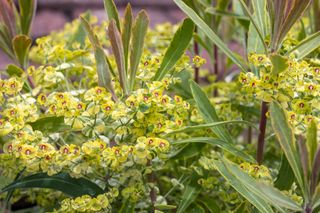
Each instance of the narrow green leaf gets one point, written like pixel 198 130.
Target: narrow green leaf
pixel 306 46
pixel 182 87
pixel 255 25
pixel 208 112
pixel 286 139
pixel 285 177
pixel 208 125
pixel 6 41
pixel 117 49
pixel 21 45
pixel 27 12
pixel 7 16
pixel 164 207
pixel 176 49
pixel 50 124
pixel 112 12
pixel 266 192
pixel 312 142
pixel 189 195
pixel 139 33
pixel 258 202
pixel 284 14
pixel 187 151
pixel 61 182
pixel 214 11
pixel 126 33
pixel 210 204
pixel 127 207
pixel 211 35
pixel 304 156
pixel 14 70
pixel 220 143
pixel 103 71
pixel 315 171
pixel 260 14
pixel 261 17
pixel 80 34
pixel 296 11
pixel 196 208
pixel 279 64
pixel 261 190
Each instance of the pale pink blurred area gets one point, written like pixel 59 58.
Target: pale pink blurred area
pixel 53 14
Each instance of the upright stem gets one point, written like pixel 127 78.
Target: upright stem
pixel 262 128
pixel 249 135
pixel 308 209
pixel 196 52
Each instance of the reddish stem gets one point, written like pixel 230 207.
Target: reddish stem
pixel 262 128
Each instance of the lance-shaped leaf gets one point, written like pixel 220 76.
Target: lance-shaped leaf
pixel 127 207
pixel 62 182
pixel 21 45
pixel 80 34
pixel 306 46
pixel 189 194
pixel 27 12
pixel 176 49
pixel 208 125
pixel 258 202
pixel 285 177
pixel 214 11
pixel 211 34
pixel 139 33
pixel 285 14
pixel 255 25
pixel 112 12
pixel 126 33
pixel 312 143
pixel 7 16
pixel 286 139
pixel 304 156
pixel 315 172
pixel 261 19
pixel 220 143
pixel 14 70
pixel 261 190
pixel 117 48
pixel 103 71
pixel 6 41
pixel 208 112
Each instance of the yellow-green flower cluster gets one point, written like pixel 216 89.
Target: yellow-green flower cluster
pixel 45 76
pixel 296 87
pixel 86 203
pixel 9 87
pixel 16 112
pixel 198 61
pixel 259 172
pixel 34 152
pixel 146 112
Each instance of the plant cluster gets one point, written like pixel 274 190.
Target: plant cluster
pixel 109 119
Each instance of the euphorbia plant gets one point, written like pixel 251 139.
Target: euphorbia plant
pixel 100 139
